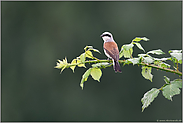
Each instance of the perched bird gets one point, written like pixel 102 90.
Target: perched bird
pixel 111 50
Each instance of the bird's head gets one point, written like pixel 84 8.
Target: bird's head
pixel 107 36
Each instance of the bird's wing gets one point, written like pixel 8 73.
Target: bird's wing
pixel 112 49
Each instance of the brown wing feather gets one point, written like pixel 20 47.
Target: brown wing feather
pixel 112 49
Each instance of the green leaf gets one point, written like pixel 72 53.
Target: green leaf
pixel 137 39
pixel 162 59
pixel 139 46
pixel 148 60
pixel 149 97
pixel 74 61
pixel 175 51
pixel 126 51
pixel 91 48
pixel 178 56
pixel 177 82
pixel 88 47
pixel 87 73
pixel 80 65
pixel 59 64
pixel 62 69
pixel 145 39
pixel 96 73
pixel 127 46
pixel 82 57
pixel 180 62
pixel 65 60
pixel 121 54
pixel 165 65
pixel 134 60
pixel 62 64
pixel 89 54
pixel 157 52
pixel 170 90
pixel 174 60
pixel 146 73
pixel 161 64
pixel 82 82
pixel 128 54
pixel 85 77
pixel 65 64
pixel 103 65
pixel 167 80
pixel 96 50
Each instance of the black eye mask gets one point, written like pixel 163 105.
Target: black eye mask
pixel 106 35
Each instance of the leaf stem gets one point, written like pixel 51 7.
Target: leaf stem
pixel 177 66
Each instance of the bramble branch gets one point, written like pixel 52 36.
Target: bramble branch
pixel 124 61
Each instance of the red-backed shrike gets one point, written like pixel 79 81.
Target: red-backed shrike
pixel 111 50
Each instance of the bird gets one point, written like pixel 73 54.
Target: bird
pixel 111 50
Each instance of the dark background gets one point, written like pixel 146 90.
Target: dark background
pixel 36 34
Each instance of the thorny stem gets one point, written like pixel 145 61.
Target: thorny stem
pixel 143 64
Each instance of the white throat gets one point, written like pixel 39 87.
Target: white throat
pixel 105 38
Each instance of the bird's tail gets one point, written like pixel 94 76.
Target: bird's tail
pixel 116 66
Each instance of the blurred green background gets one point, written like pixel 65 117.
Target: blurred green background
pixel 36 34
